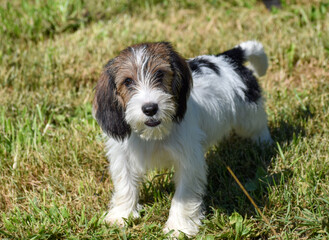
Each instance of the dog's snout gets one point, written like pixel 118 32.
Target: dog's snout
pixel 150 109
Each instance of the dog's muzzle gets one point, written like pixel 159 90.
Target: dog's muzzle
pixel 150 109
pixel 152 122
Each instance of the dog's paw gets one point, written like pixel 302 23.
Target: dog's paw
pixel 176 231
pixel 263 138
pixel 113 219
pixel 117 216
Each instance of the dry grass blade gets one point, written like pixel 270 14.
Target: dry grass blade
pixel 253 202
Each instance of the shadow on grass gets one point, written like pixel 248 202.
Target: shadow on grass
pixel 250 162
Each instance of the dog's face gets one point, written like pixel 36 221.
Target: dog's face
pixel 144 89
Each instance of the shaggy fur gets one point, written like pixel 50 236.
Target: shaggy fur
pixel 159 110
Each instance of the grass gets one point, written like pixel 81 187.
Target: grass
pixel 53 172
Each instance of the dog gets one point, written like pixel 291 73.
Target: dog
pixel 159 110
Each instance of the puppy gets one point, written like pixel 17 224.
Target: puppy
pixel 159 110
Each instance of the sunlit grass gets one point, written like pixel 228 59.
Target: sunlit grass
pixel 53 171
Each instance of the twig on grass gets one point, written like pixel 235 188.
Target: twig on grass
pixel 252 202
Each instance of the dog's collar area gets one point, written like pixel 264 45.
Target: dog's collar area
pixel 152 122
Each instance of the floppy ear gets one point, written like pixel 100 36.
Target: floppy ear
pixel 107 109
pixel 182 83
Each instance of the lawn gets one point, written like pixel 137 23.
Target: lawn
pixel 54 182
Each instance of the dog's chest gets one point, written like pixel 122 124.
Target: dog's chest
pixel 152 154
pixel 160 157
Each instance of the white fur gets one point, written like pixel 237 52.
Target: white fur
pixel 216 106
pixel 255 54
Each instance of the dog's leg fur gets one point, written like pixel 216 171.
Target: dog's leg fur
pixel 125 181
pixel 190 179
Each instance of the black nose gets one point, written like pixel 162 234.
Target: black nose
pixel 150 109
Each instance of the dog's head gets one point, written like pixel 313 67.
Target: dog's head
pixel 145 90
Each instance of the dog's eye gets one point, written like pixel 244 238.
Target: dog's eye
pixel 127 82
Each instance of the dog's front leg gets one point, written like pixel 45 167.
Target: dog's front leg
pixel 125 195
pixel 186 208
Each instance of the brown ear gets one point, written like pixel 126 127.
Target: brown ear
pixel 107 110
pixel 182 83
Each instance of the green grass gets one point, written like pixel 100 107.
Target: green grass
pixel 53 171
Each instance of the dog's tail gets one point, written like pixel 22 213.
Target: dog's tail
pixel 251 51
pixel 254 53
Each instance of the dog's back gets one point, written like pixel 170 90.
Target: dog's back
pixel 227 92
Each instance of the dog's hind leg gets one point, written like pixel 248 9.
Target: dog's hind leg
pixel 251 122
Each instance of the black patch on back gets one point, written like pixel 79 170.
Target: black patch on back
pixel 235 54
pixel 196 64
pixel 237 58
pixel 253 91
